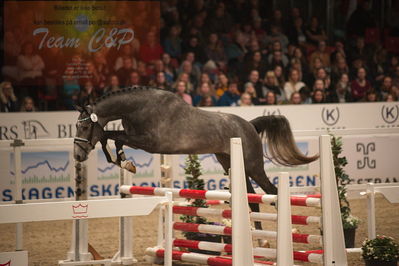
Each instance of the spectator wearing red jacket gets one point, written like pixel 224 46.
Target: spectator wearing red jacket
pixel 360 85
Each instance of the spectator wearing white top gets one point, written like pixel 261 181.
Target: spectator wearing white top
pixel 294 84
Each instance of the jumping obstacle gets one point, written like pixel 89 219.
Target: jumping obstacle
pixel 308 200
pixel 256 216
pixel 334 252
pixel 79 210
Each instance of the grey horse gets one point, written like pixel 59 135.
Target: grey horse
pixel 159 121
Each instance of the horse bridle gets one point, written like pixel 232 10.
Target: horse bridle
pixel 78 140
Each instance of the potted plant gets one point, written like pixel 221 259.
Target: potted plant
pixel 380 251
pixel 349 222
pixel 193 172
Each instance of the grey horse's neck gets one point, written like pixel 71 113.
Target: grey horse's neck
pixel 115 106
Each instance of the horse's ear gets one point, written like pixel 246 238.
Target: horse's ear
pixel 78 108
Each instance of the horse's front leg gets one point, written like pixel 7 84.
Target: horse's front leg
pixel 121 157
pixel 120 139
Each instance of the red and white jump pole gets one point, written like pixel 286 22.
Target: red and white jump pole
pixel 256 216
pixel 308 200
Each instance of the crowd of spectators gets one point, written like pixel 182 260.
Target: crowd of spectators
pixel 217 53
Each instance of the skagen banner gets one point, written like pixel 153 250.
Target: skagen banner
pixel 48 173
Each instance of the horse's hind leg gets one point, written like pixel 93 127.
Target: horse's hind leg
pixel 224 160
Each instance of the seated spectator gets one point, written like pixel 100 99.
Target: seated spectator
pixel 315 65
pixel 170 71
pixel 391 98
pixel 277 58
pixel 280 76
pixel 230 97
pixel 342 92
pixel 173 43
pixel 235 51
pixel 277 19
pixel 144 71
pixel 113 84
pixel 102 69
pixel 126 53
pixel 377 67
pixel 8 100
pixel 28 105
pixel 70 86
pixel 160 82
pixel 255 80
pixel 192 72
pixel 222 85
pixel 371 96
pixel 297 34
pixel 392 64
pixel 387 87
pixel 277 35
pixel 204 78
pixel 339 52
pixel 314 33
pixel 250 90
pixel 151 50
pixel 295 98
pixel 30 70
pixel 319 85
pixel 321 53
pixel 305 93
pixel 270 83
pixel 271 98
pixel 186 78
pixel 95 77
pixel 204 90
pixel 12 49
pixel 318 96
pixel 88 95
pixel 206 101
pixel 134 79
pixel 181 91
pixel 245 100
pixel 298 55
pixel 323 75
pixel 294 84
pixel 194 46
pixel 360 51
pixel 254 63
pixel 215 50
pixel 360 85
pixel 124 71
pixel 338 68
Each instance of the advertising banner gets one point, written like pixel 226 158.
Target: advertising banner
pixel 66 43
pixel 50 173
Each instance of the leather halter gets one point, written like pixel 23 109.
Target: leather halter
pixel 78 140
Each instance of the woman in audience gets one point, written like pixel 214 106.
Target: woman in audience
pixel 8 100
pixel 360 85
pixel 294 84
pixel 271 84
pixel 295 98
pixel 181 91
pixel 222 85
pixel 319 96
pixel 28 105
pixel 204 90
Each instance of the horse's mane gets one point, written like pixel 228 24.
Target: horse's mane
pixel 110 94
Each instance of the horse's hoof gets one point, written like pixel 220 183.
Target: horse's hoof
pixel 128 165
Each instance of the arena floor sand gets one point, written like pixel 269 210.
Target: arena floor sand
pixel 48 242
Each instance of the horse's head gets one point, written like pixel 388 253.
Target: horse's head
pixel 88 133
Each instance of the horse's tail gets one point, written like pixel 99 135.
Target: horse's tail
pixel 281 143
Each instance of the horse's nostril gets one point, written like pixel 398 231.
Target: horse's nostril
pixel 78 157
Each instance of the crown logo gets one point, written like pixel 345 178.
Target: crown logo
pixel 79 211
pixel 6 264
